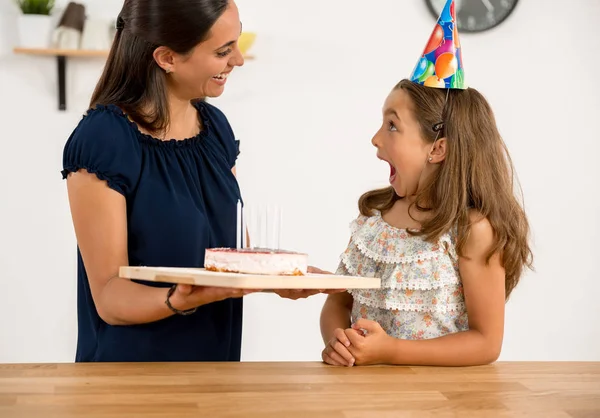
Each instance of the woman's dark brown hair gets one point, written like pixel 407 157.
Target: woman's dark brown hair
pixel 477 174
pixel 132 79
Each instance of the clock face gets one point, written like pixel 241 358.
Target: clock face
pixel 476 15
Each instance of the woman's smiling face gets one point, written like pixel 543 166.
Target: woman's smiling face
pixel 204 70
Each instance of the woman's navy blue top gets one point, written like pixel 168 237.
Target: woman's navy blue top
pixel 181 198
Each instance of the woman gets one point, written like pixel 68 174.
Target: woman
pixel 151 181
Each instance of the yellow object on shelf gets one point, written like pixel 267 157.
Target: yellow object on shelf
pixel 245 41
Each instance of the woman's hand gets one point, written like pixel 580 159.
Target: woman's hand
pixel 336 352
pixel 295 294
pixel 316 270
pixel 187 296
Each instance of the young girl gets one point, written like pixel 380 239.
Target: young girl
pixel 447 238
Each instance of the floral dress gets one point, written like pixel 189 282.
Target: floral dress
pixel 421 295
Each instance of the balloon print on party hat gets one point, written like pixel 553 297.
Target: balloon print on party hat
pixel 441 64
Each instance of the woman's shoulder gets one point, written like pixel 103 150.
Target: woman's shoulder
pixel 213 113
pixel 105 123
pixel 216 122
pixel 105 143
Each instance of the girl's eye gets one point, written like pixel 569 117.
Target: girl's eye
pixel 224 53
pixel 391 127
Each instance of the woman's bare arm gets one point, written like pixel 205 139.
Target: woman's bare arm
pixel 100 222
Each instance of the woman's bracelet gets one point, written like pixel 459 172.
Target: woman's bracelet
pixel 175 310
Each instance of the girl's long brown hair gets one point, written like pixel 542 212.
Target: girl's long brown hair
pixel 477 174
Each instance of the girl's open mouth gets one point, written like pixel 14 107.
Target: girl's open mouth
pixel 392 168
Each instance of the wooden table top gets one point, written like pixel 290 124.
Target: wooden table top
pixel 293 390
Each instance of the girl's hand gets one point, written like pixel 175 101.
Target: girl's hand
pixel 370 347
pixel 336 352
pixel 188 297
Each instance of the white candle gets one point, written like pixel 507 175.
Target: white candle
pixel 238 226
pixel 263 226
pixel 244 227
pixel 278 234
pixel 274 217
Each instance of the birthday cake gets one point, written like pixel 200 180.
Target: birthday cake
pixel 256 261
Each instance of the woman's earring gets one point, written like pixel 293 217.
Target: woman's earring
pixel 168 70
pixel 430 159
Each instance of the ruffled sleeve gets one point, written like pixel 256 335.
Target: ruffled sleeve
pixel 105 144
pixel 416 275
pixel 220 125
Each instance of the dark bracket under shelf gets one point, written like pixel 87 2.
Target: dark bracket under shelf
pixel 61 60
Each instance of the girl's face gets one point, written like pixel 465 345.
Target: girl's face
pixel 400 144
pixel 204 71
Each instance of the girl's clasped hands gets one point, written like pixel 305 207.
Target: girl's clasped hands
pixel 365 343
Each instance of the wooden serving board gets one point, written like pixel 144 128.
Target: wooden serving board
pixel 202 277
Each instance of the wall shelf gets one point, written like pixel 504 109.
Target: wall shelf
pixel 61 61
pixel 61 52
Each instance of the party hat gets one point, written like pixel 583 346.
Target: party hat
pixel 441 64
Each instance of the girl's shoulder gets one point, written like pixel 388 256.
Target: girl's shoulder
pixel 382 242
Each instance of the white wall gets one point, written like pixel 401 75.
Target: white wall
pixel 305 111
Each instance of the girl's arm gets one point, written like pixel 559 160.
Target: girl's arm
pixel 335 314
pixel 484 292
pixel 335 318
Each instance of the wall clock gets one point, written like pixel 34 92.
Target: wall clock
pixel 476 15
